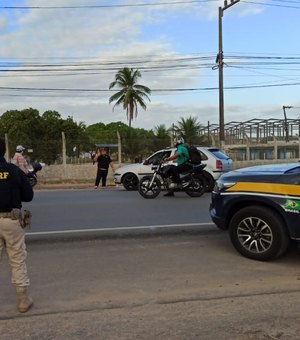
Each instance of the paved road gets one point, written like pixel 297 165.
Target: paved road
pixel 81 210
pixel 183 287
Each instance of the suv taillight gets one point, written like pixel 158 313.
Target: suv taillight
pixel 219 165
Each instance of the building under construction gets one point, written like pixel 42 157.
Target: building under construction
pixel 258 138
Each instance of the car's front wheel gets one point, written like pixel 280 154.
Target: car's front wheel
pixel 258 233
pixel 130 182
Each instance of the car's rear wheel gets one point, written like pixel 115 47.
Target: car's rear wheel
pixel 258 233
pixel 130 182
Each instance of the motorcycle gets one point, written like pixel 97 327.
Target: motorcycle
pixel 32 174
pixel 192 181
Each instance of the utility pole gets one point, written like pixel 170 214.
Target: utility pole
pixel 219 60
pixel 286 127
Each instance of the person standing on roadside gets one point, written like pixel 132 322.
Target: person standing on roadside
pixel 103 161
pixel 19 159
pixel 14 189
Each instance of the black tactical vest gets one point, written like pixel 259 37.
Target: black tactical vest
pixel 9 182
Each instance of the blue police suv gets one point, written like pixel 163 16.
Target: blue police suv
pixel 260 207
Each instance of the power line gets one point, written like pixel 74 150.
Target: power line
pixel 42 89
pixel 149 5
pixel 108 6
pixel 145 65
pixel 268 4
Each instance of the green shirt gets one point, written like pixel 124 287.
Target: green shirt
pixel 183 154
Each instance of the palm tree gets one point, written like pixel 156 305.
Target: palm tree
pixel 189 127
pixel 131 94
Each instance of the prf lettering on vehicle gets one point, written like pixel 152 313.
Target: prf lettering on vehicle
pixel 3 175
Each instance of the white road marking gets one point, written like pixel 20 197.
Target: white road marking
pixel 152 227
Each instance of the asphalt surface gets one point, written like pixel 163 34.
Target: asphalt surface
pixel 87 211
pixel 165 287
pixel 160 284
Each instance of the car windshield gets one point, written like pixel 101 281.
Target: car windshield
pixel 158 156
pixel 219 154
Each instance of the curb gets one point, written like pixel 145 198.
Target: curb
pixel 119 233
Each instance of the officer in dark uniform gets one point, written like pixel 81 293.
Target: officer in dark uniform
pixel 14 189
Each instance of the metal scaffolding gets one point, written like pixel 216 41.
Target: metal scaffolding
pixel 256 130
pixel 258 138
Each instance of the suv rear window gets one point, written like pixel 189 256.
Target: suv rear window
pixel 219 154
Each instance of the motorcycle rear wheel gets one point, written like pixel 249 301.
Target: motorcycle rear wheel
pixel 149 192
pixel 197 187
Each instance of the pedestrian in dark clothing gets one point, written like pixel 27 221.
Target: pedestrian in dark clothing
pixel 14 189
pixel 104 162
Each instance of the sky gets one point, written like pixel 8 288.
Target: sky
pixel 62 55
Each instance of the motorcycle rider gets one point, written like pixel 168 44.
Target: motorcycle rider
pixel 14 189
pixel 19 160
pixel 182 156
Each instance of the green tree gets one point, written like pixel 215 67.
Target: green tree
pixel 75 136
pixel 51 139
pixel 136 143
pixel 130 94
pixel 161 137
pixel 41 135
pixel 22 127
pixel 189 127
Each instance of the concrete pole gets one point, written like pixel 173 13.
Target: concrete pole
pixel 64 149
pixel 220 67
pixel 119 148
pixel 7 148
pixel 221 90
pixel 172 135
pixel 275 148
pixel 248 150
pixel 213 141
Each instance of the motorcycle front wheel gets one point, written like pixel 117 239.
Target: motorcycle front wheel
pixel 148 190
pixel 197 187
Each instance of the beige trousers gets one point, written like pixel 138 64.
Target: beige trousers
pixel 12 236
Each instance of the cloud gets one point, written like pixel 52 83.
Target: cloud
pixel 103 36
pixel 3 25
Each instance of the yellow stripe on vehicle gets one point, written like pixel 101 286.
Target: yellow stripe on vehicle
pixel 281 189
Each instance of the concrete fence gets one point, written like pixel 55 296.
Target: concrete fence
pixel 86 173
pixel 244 164
pixel 71 174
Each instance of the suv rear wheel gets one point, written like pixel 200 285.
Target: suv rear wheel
pixel 258 233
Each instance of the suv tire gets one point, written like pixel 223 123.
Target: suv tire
pixel 258 233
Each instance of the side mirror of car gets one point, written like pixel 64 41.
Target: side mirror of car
pixel 146 162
